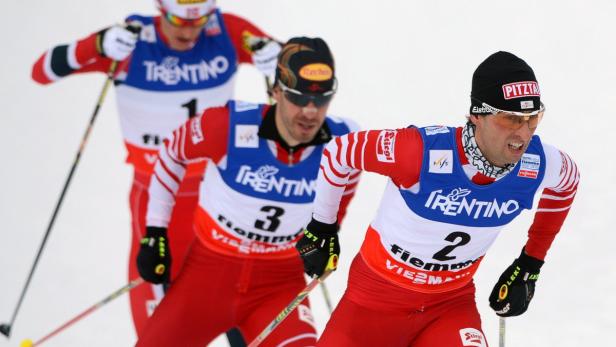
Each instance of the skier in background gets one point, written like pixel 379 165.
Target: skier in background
pixel 171 67
pixel 255 198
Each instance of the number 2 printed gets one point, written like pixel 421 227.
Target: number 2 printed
pixel 457 236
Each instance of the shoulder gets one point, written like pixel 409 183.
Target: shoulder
pixel 238 106
pixel 214 116
pixel 233 20
pixel 559 166
pixel 341 125
pixel 139 19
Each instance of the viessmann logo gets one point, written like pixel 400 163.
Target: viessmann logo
pixel 455 203
pixel 264 180
pixel 170 72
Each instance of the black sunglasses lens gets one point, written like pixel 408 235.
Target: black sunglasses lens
pixel 297 99
pixel 304 99
pixel 320 100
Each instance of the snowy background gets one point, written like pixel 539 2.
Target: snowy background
pixel 399 62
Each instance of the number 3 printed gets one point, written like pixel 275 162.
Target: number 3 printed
pixel 272 222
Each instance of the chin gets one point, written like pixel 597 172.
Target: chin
pixel 183 45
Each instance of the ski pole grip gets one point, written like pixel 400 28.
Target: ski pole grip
pixel 332 263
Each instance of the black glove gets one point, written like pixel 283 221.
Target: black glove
pixel 515 287
pixel 317 246
pixel 154 258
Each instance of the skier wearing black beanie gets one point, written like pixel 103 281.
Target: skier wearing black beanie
pixel 451 190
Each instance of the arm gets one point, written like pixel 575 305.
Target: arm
pixel 93 53
pixel 200 137
pixel 562 179
pixel 253 45
pixel 516 286
pixel 393 153
pixel 347 196
pixel 63 60
pixel 367 151
pixel 242 32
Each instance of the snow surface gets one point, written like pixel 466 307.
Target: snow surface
pixel 399 62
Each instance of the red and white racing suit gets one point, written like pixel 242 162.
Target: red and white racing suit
pixel 254 201
pixel 411 284
pixel 157 89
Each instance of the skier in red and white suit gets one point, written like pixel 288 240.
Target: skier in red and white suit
pixel 451 191
pixel 180 63
pixel 256 197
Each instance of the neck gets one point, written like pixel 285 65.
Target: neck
pixel 477 159
pixel 282 130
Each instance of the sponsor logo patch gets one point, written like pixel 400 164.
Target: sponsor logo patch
pixel 316 72
pixel 472 337
pixel 529 166
pixel 520 90
pixel 441 161
pixel 192 12
pixel 265 180
pixel 440 129
pixel 385 145
pixel 480 110
pixel 455 203
pixel 170 72
pixel 246 136
pixel 527 104
pixel 212 27
pixel 188 2
pixel 196 135
pixel 241 106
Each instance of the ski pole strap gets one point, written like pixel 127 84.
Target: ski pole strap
pixel 331 266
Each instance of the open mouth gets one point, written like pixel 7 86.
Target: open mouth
pixel 306 126
pixel 516 146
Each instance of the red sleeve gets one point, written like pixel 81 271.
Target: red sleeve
pixel 240 30
pixel 553 209
pixel 62 60
pixel 201 137
pixel 204 136
pixel 347 196
pixel 393 153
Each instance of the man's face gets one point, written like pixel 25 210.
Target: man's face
pixel 502 140
pixel 297 124
pixel 180 38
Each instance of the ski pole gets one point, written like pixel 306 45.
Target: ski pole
pixel 331 266
pixel 132 284
pixel 501 332
pixel 328 301
pixel 5 329
pixel 268 89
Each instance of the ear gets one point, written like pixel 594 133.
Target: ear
pixel 475 119
pixel 276 94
